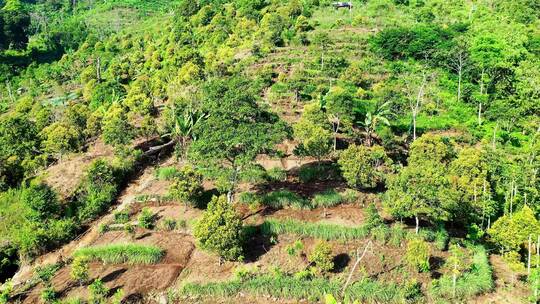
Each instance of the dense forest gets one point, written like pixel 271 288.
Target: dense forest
pixel 248 151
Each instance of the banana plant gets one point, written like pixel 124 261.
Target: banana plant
pixel 373 119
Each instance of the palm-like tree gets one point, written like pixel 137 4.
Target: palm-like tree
pixel 182 131
pixel 373 119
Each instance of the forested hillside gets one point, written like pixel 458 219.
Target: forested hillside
pixel 248 151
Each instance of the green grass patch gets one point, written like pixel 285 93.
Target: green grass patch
pixel 478 279
pixel 288 287
pixel 328 198
pixel 285 198
pixel 122 253
pixel 166 173
pixel 316 230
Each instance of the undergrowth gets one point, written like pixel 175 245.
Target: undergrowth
pixel 122 253
pixel 316 230
pixel 289 287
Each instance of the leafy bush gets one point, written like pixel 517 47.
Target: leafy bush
pixel 363 167
pixel 373 219
pixel 98 292
pixel 121 217
pixel 285 198
pixel 380 233
pixel 321 257
pixel 220 229
pixel 308 174
pixel 187 184
pixel 326 199
pixel 316 230
pixel 49 295
pixel 80 269
pixel 397 235
pixel 146 218
pixel 168 224
pixel 418 254
pixel 121 253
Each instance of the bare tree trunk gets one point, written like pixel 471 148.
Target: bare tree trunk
pixel 98 69
pixel 417 223
pixel 529 256
pixel 481 94
pixel 358 259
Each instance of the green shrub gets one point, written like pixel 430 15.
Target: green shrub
pixel 295 249
pixel 146 219
pixel 380 234
pixel 441 238
pixel 418 254
pixel 186 185
pixel 49 295
pixel 220 229
pixel 121 217
pixel 98 292
pixel 326 199
pixel 276 175
pixel 80 269
pixel 102 228
pixel 373 219
pixel 315 230
pixel 168 224
pixel 122 253
pixel 285 198
pixel 249 198
pixel 397 235
pixel 321 257
pixel 166 173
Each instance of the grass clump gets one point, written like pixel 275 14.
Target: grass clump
pixel 122 253
pixel 297 288
pixel 285 198
pixel 475 280
pixel 276 175
pixel 326 199
pixel 316 230
pixel 166 173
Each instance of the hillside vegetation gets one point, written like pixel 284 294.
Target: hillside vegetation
pixel 233 150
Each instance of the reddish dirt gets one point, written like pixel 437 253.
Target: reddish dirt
pixel 65 175
pixel 348 215
pixel 133 280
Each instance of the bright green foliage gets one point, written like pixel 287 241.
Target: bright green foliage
pixel 321 257
pixel 42 201
pixel 475 279
pixel 59 138
pixel 364 167
pixel 534 281
pixel 284 198
pixel 116 129
pixel 312 133
pixel 121 253
pixel 187 184
pixel 80 269
pixel 421 188
pixel 235 131
pixel 98 292
pixel 220 229
pixel 418 253
pixel 49 295
pixel 339 105
pixel 373 218
pixel 146 219
pixel 512 231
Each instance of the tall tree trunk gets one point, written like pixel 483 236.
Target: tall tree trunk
pixel 417 224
